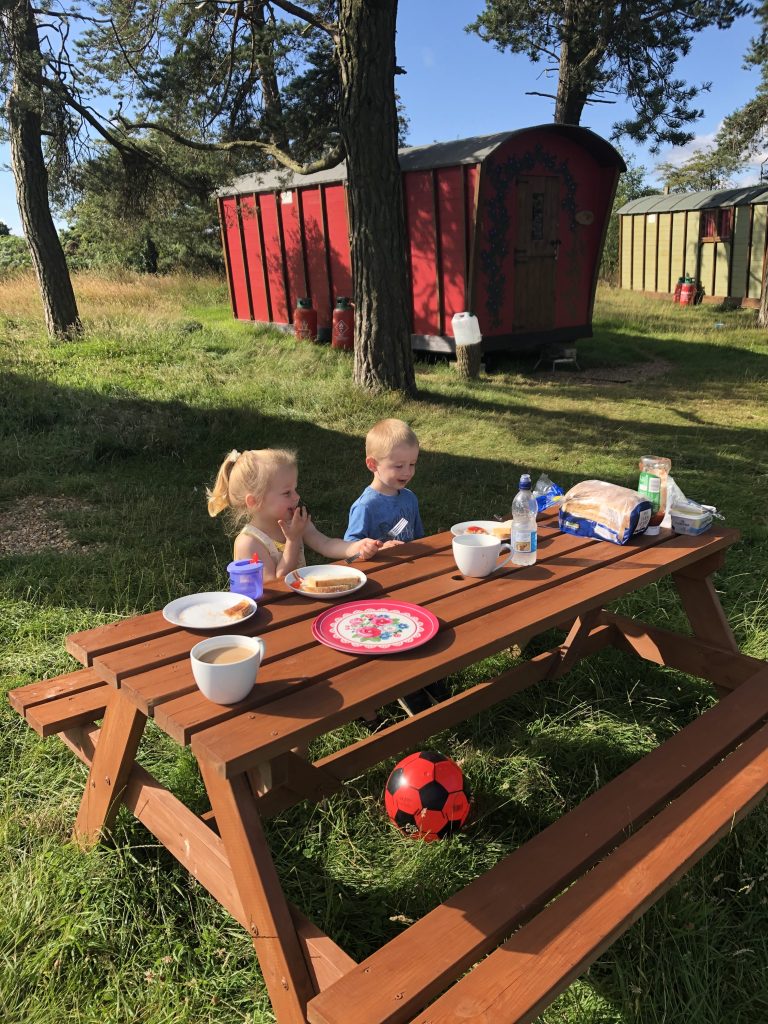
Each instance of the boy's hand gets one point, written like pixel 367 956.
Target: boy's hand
pixel 365 549
pixel 391 544
pixel 293 529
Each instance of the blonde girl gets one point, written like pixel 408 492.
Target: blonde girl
pixel 259 486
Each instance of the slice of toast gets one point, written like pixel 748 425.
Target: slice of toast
pixel 326 584
pixel 239 610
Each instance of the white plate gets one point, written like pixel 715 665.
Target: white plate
pixel 325 571
pixel 206 611
pixel 489 525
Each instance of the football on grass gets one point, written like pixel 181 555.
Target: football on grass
pixel 426 796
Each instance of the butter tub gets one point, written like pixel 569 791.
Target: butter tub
pixel 690 521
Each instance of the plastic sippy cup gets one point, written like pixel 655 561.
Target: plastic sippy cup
pixel 246 578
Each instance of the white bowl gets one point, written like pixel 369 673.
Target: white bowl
pixel 325 572
pixel 489 525
pixel 227 683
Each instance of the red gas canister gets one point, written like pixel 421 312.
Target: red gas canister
pixel 305 320
pixel 678 289
pixel 343 331
pixel 688 292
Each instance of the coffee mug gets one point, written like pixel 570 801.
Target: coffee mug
pixel 476 554
pixel 225 667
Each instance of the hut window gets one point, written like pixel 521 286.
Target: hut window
pixel 537 217
pixel 717 225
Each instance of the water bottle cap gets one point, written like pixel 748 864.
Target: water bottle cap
pixel 525 482
pixel 245 565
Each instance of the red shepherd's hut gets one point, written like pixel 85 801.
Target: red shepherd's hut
pixel 510 226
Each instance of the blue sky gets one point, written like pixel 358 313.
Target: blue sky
pixel 457 85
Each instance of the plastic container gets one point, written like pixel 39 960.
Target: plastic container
pixel 524 530
pixel 654 474
pixel 546 493
pixel 690 521
pixel 466 329
pixel 246 578
pixel 305 320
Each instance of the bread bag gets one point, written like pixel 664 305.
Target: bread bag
pixel 594 508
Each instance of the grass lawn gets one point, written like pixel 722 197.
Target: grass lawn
pixel 107 443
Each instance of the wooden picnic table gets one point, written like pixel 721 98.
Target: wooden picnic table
pixel 533 922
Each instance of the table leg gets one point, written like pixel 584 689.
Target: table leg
pixel 264 904
pixel 113 760
pixel 574 645
pixel 704 611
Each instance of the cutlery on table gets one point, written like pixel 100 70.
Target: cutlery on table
pixel 392 534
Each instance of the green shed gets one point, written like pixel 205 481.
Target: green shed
pixel 718 238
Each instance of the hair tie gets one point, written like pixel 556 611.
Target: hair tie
pixel 234 455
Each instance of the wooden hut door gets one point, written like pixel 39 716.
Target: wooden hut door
pixel 536 248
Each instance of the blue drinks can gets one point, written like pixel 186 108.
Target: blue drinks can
pixel 246 578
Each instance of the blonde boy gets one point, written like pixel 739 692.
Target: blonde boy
pixel 391 452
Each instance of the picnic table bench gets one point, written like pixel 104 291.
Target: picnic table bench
pixel 536 920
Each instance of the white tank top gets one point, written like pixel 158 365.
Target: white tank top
pixel 274 547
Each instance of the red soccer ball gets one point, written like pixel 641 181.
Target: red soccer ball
pixel 426 796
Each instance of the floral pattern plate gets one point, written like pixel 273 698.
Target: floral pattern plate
pixel 375 627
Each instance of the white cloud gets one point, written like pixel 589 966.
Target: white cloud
pixel 679 154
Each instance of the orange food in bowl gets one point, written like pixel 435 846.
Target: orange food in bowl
pixel 475 529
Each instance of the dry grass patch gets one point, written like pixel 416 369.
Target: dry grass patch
pixel 106 295
pixel 32 524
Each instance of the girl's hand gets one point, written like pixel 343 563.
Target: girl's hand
pixel 365 549
pixel 293 529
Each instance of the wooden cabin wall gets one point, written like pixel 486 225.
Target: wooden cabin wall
pixel 706 274
pixel 625 270
pixel 651 252
pixel 440 216
pixel 678 228
pixel 658 248
pixel 663 262
pixel 757 252
pixel 638 253
pixel 740 252
pixel 517 291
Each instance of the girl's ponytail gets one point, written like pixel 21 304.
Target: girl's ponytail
pixel 218 496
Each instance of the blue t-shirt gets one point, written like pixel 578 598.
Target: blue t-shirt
pixel 374 514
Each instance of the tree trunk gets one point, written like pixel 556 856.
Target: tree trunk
pixel 24 110
pixel 272 117
pixel 368 126
pixel 571 92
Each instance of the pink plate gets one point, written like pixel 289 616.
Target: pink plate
pixel 375 627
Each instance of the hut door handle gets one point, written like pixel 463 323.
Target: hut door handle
pixel 556 243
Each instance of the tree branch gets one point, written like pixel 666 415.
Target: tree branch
pixel 329 160
pixel 289 8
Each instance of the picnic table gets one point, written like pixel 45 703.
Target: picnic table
pixel 539 917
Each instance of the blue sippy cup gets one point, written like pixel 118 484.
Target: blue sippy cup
pixel 246 578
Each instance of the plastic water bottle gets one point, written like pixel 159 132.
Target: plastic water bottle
pixel 524 532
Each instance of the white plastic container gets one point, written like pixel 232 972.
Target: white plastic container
pixel 466 329
pixel 690 521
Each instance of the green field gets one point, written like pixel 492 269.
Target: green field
pixel 107 443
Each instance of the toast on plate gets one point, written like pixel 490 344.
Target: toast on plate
pixel 239 610
pixel 329 584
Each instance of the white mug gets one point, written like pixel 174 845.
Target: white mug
pixel 476 554
pixel 227 683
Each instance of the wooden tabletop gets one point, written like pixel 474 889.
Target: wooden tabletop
pixel 306 689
